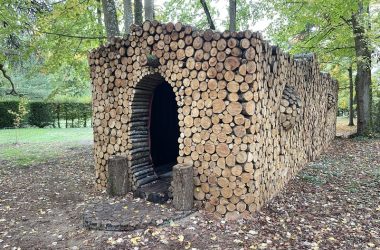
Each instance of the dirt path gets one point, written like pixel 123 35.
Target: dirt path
pixel 333 203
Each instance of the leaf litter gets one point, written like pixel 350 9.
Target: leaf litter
pixel 333 203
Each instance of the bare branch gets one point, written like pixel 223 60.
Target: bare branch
pixel 344 88
pixel 59 2
pixel 209 19
pixel 326 33
pixel 232 14
pixel 13 90
pixel 347 21
pixel 74 36
pixel 80 43
pixel 327 48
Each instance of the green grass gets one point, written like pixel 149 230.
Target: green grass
pixel 45 135
pixel 313 179
pixel 25 155
pixel 35 145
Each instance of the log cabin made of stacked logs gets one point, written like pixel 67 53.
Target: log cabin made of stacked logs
pixel 249 116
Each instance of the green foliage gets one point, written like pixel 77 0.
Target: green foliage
pixel 6 118
pixel 21 112
pixel 325 27
pixel 69 111
pixel 16 22
pixel 76 113
pixel 186 11
pixel 29 80
pixel 247 13
pixel 320 26
pixel 191 12
pixel 317 26
pixel 48 41
pixel 67 32
pixel 41 114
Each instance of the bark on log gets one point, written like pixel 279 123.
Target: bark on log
pixel 118 184
pixel 183 187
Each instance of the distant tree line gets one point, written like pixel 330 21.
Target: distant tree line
pixel 48 114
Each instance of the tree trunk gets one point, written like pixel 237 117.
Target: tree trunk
pixel 58 115
pixel 13 90
pixel 138 12
pixel 209 19
pixel 232 13
pixel 149 9
pixel 99 20
pixel 363 79
pixel 110 18
pixel 370 84
pixel 351 120
pixel 128 16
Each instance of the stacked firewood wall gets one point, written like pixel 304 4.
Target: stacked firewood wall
pixel 230 89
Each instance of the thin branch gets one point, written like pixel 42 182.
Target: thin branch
pixel 331 29
pixel 80 43
pixel 73 36
pixel 343 88
pixel 328 49
pixel 13 90
pixel 209 19
pixel 59 2
pixel 338 48
pixel 295 2
pixel 347 21
pixel 298 10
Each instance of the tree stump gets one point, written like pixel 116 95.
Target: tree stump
pixel 183 187
pixel 118 182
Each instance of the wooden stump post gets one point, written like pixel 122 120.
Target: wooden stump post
pixel 183 187
pixel 118 182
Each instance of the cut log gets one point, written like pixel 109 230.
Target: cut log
pixel 118 184
pixel 183 187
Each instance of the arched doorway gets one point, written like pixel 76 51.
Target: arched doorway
pixel 153 131
pixel 163 128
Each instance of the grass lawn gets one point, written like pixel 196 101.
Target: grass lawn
pixel 29 146
pixel 45 135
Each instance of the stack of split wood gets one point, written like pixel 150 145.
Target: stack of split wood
pixel 290 107
pixel 239 109
pixel 331 102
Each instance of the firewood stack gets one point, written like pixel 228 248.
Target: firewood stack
pixel 232 90
pixel 330 101
pixel 290 107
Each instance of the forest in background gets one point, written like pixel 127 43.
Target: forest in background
pixel 44 44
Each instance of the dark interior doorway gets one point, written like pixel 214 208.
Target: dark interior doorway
pixel 164 129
